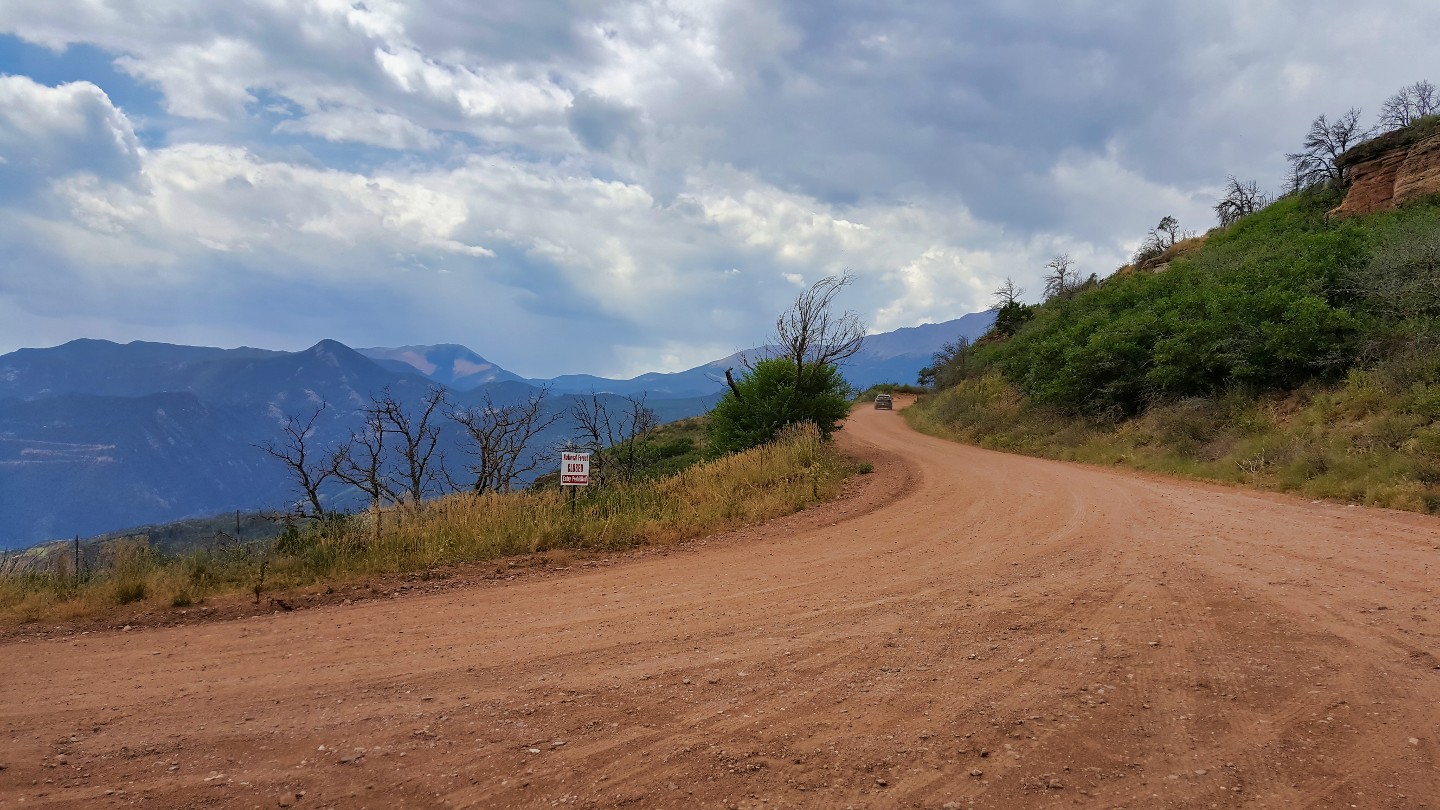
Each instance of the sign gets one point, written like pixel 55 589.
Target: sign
pixel 574 469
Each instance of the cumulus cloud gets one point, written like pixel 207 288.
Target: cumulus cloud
pixel 386 130
pixel 49 133
pixel 645 179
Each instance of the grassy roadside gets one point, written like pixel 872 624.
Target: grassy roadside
pixel 795 471
pixel 1369 439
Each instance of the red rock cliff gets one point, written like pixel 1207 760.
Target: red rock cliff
pixel 1393 169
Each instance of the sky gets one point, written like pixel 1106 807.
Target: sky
pixel 621 187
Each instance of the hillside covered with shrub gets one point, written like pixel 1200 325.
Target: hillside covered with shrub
pixel 1291 349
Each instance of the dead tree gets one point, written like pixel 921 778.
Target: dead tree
pixel 1411 103
pixel 730 381
pixel 308 465
pixel 612 439
pixel 361 462
pixel 593 428
pixel 1240 200
pixel 1007 294
pixel 1324 144
pixel 500 437
pixel 637 421
pixel 811 334
pixel 417 436
pixel 1061 278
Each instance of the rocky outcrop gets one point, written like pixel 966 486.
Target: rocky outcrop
pixel 1419 175
pixel 1394 169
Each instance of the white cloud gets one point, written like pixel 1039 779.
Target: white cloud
pixel 1102 196
pixel 204 80
pixel 351 68
pixel 501 93
pixel 354 125
pixel 48 133
pixel 934 282
pixel 226 200
pixel 655 172
pixel 790 226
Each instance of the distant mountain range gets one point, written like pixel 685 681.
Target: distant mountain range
pixel 448 364
pixel 97 436
pixel 894 356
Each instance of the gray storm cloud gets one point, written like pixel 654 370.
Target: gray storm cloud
pixel 650 175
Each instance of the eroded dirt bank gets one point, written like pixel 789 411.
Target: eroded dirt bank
pixel 975 629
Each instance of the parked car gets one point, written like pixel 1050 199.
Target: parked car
pixel 883 402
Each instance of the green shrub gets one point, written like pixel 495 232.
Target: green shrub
pixel 1265 305
pixel 773 395
pixel 1010 317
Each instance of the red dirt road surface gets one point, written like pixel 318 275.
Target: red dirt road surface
pixel 966 628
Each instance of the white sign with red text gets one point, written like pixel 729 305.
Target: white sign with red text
pixel 574 469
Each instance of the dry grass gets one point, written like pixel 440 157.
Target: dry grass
pixel 1368 440
pixel 796 470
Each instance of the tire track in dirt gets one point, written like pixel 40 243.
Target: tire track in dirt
pixel 865 653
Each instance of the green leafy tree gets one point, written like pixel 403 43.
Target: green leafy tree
pixel 1010 317
pixel 952 364
pixel 1010 314
pixel 771 396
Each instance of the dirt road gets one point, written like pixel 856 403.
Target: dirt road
pixel 972 629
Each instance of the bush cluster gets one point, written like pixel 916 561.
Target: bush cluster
pixel 1291 349
pixel 1283 298
pixel 773 395
pixel 1264 306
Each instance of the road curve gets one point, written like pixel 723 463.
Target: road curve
pixel 973 629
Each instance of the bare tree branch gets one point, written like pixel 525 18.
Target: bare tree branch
pixel 1411 103
pixel 499 439
pixel 1007 294
pixel 1240 200
pixel 1062 278
pixel 610 438
pixel 418 437
pixel 1326 142
pixel 594 431
pixel 730 380
pixel 361 462
pixel 812 335
pixel 309 468
pixel 637 421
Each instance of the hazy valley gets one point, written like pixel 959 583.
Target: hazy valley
pixel 96 436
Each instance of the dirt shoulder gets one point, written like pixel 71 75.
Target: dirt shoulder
pixel 860 494
pixel 966 628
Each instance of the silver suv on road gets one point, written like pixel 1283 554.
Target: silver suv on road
pixel 883 402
